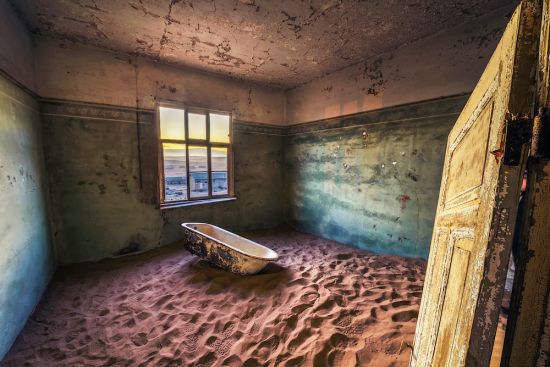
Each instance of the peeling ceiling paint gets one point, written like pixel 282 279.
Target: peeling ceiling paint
pixel 279 44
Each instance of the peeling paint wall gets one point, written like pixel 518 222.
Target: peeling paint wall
pixel 74 72
pixel 103 210
pixel 447 63
pixel 26 253
pixel 371 180
pixel 281 43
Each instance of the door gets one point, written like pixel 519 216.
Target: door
pixel 477 205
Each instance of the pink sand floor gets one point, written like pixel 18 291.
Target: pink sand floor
pixel 320 304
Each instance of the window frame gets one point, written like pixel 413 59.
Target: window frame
pixel 196 143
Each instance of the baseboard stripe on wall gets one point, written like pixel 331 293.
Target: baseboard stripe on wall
pixel 99 112
pixel 110 113
pixel 419 111
pixel 258 128
pixel 366 123
pixel 434 108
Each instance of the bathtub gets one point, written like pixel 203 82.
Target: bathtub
pixel 225 249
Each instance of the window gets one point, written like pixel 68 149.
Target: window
pixel 195 154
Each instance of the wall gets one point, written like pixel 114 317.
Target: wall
pixel 26 256
pixel 370 180
pixel 69 71
pixel 103 209
pixel 26 251
pixel 101 175
pixel 445 64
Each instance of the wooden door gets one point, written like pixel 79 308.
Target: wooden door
pixel 477 205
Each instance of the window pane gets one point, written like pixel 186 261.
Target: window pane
pixel 219 128
pixel 197 126
pixel 219 171
pixel 198 171
pixel 172 123
pixel 175 172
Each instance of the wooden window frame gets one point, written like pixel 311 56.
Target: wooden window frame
pixel 196 143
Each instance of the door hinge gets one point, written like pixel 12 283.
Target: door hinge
pixel 518 133
pixel 540 142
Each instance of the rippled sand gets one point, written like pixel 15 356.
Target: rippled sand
pixel 321 304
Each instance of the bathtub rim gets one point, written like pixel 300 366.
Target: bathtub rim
pixel 187 224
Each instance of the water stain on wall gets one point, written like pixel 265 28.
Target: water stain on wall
pixel 103 209
pixel 370 180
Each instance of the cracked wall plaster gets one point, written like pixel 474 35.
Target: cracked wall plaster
pixel 446 64
pixel 280 44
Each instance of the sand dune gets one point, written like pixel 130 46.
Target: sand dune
pixel 321 304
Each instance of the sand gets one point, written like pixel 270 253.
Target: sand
pixel 321 304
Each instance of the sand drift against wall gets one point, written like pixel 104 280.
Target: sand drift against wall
pixel 321 304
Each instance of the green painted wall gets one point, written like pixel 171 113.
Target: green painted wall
pixel 26 254
pixel 103 209
pixel 370 180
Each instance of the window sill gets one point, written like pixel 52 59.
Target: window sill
pixel 197 202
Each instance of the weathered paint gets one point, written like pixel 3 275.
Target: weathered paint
pixel 69 71
pixel 279 43
pixel 26 254
pixel 370 180
pixel 446 63
pixel 477 207
pixel 103 210
pixel 225 249
pixel 529 318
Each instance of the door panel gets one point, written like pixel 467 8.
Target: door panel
pixel 476 208
pixel 451 305
pixel 467 162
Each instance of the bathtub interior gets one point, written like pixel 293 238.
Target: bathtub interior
pixel 239 243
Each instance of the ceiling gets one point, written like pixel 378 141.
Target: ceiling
pixel 277 43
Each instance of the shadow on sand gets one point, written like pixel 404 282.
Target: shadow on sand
pixel 217 280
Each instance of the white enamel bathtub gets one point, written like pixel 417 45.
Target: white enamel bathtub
pixel 225 249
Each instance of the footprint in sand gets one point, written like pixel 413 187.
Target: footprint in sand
pixel 162 301
pixel 374 313
pixel 144 288
pixel 316 322
pixel 404 316
pixel 310 297
pixel 325 307
pixel 295 362
pixel 206 359
pixel 414 294
pixel 139 339
pixel 232 361
pixel 251 362
pixel 299 340
pixel 298 309
pixel 398 304
pixel 144 315
pixel 344 256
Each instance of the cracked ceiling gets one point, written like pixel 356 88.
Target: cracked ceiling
pixel 280 44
